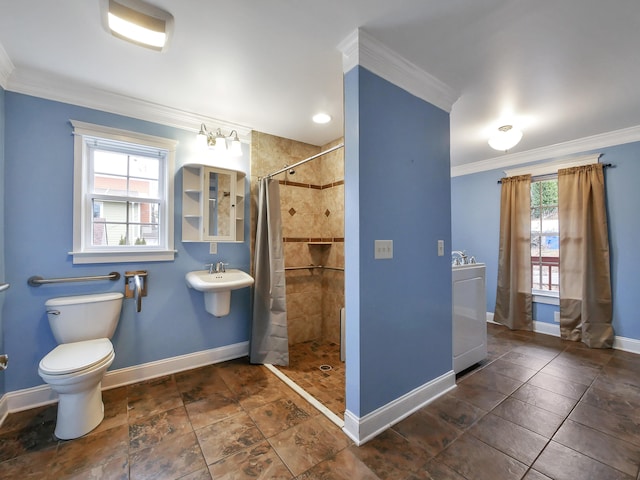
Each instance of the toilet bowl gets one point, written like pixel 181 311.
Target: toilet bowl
pixel 74 369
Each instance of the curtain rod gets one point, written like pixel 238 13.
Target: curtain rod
pixel 550 175
pixel 289 167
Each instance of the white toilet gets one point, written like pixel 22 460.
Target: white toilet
pixel 82 325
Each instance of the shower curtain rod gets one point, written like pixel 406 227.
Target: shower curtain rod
pixel 301 162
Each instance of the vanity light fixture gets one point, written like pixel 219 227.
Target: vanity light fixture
pixel 137 22
pixel 218 142
pixel 505 138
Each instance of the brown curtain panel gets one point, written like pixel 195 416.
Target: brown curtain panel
pixel 585 278
pixel 513 296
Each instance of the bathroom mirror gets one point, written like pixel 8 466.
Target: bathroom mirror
pixel 212 204
pixel 218 204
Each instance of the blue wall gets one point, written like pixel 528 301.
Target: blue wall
pixel 475 209
pixel 397 187
pixel 38 237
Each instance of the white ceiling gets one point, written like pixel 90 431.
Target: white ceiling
pixel 561 70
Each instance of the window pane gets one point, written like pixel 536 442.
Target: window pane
pixel 139 187
pixel 110 162
pixel 144 167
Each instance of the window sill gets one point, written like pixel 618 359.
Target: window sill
pixel 548 298
pixel 123 256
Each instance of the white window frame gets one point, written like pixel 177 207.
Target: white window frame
pixel 83 252
pixel 550 168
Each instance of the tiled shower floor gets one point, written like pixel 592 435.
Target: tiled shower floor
pixel 316 367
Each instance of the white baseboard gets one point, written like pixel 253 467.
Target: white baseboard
pixel 360 430
pixel 631 345
pixel 43 395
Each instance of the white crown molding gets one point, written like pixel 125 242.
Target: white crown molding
pixel 594 142
pixel 61 89
pixel 360 48
pixel 6 67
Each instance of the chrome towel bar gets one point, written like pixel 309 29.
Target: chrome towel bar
pixel 310 267
pixel 36 280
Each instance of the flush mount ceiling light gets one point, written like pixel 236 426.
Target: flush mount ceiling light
pixel 137 22
pixel 218 142
pixel 321 118
pixel 505 138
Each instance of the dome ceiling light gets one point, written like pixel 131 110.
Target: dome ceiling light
pixel 505 138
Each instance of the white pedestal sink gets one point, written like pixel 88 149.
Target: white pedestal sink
pixel 217 287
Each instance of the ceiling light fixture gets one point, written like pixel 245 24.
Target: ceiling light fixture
pixel 218 142
pixel 505 138
pixel 321 118
pixel 137 22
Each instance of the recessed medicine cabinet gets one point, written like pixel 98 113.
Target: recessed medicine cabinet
pixel 212 204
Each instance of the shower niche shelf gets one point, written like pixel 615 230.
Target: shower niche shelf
pixel 212 204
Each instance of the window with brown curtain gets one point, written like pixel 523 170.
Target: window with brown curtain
pixel 585 277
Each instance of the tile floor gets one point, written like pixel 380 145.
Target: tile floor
pixel 538 408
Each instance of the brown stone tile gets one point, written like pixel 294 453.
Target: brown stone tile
pixel 617 387
pixel 511 370
pixel 535 475
pixel 474 459
pixel 227 437
pixel 612 402
pixel 34 465
pixel 538 351
pixel 611 451
pixel 258 462
pixel 428 430
pixel 28 434
pixel 29 419
pixel 172 458
pixel 625 376
pixel 218 406
pixel 545 399
pixel 529 416
pixel 116 469
pixel 148 431
pixel 514 440
pixel 308 444
pixel 455 411
pixel 583 375
pixel 493 381
pixel 201 383
pixel 531 362
pixel 623 427
pixel 557 385
pixel 435 470
pixel 391 455
pixel 202 474
pixel 90 451
pixel 343 466
pixel 561 463
pixel 478 396
pixel 275 417
pixel 152 397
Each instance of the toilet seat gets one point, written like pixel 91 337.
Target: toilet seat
pixel 74 357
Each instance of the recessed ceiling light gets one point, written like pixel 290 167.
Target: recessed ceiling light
pixel 137 22
pixel 321 118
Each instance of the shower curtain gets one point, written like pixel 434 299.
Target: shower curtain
pixel 269 340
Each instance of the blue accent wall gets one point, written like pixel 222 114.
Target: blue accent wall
pixel 38 236
pixel 475 208
pixel 397 187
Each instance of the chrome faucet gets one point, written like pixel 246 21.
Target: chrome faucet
pixel 459 257
pixel 218 267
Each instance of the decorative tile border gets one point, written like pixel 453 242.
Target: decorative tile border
pixel 310 185
pixel 313 239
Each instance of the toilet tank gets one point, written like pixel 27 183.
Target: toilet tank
pixel 84 317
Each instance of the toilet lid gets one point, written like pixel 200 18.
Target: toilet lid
pixel 72 357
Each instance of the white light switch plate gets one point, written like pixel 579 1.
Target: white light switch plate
pixel 441 248
pixel 383 249
pixel 213 248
